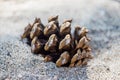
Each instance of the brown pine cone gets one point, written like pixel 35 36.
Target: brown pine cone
pixel 57 43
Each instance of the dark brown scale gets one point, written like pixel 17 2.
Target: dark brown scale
pixel 36 45
pixel 55 19
pixel 65 28
pixel 51 28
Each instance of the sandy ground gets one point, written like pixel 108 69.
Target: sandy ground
pixel 101 17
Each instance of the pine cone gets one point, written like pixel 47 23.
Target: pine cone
pixel 57 43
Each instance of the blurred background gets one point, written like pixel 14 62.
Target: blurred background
pixel 101 17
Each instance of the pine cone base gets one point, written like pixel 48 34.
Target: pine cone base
pixel 56 43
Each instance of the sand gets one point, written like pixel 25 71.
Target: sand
pixel 100 17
